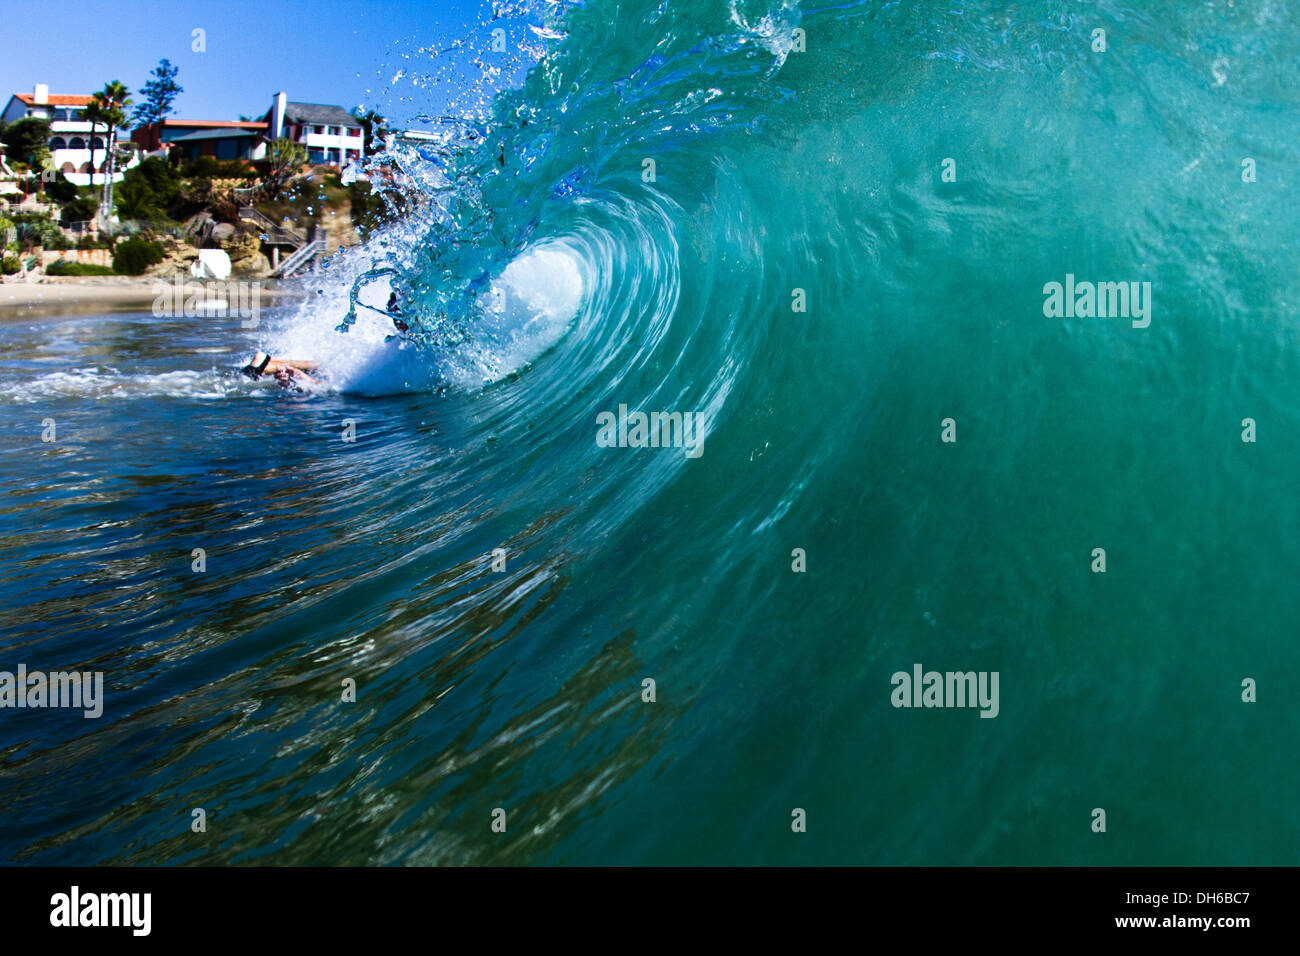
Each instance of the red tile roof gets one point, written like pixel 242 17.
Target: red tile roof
pixel 214 124
pixel 55 99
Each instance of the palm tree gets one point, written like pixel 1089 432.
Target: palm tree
pixel 94 112
pixel 285 158
pixel 117 98
pixel 374 126
pixel 113 118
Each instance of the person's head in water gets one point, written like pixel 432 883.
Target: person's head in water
pixel 290 376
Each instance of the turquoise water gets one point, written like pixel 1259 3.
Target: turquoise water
pixel 550 282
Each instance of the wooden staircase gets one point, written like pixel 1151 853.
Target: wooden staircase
pixel 304 249
pixel 300 258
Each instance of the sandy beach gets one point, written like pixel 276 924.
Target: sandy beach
pixel 55 295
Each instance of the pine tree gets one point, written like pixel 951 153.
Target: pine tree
pixel 159 94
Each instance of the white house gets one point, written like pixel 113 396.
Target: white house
pixel 70 139
pixel 330 134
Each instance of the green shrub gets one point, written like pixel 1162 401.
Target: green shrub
pixel 205 167
pixel 42 232
pixel 26 140
pixel 132 256
pixel 235 169
pixel 61 190
pixel 10 265
pixel 199 191
pixel 62 268
pixel 148 191
pixel 80 210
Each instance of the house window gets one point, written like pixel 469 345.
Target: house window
pixel 78 143
pixel 68 168
pixel 58 142
pixel 354 131
pixel 98 143
pixel 85 167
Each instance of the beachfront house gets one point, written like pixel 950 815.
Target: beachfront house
pixel 70 137
pixel 330 134
pixel 190 139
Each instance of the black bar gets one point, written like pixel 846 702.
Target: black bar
pixel 297 906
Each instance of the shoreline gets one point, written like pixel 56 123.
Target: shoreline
pixel 82 294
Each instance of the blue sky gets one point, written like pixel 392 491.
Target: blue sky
pixel 345 52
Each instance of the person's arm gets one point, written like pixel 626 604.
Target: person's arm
pixel 290 364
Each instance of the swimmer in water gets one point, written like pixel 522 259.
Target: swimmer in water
pixel 287 372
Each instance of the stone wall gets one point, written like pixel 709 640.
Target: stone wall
pixel 93 257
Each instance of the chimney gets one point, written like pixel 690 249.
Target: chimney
pixel 278 108
pixel 41 94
